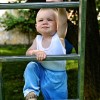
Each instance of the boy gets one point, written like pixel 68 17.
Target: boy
pixel 48 76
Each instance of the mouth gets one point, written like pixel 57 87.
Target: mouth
pixel 45 27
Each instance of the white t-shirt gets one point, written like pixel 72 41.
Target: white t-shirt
pixel 55 48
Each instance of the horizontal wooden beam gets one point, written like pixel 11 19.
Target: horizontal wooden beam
pixel 33 58
pixel 38 5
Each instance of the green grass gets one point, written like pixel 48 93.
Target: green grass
pixel 13 74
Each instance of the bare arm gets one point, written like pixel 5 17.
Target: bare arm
pixel 62 23
pixel 40 55
pixel 32 48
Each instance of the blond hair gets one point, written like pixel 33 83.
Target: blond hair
pixel 53 9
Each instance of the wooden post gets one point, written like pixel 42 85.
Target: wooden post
pixel 81 49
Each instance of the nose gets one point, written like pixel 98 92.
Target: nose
pixel 45 22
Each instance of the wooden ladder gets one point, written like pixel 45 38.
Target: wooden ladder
pixel 81 40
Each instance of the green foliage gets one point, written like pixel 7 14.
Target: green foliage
pixel 24 21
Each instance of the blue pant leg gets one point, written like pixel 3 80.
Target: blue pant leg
pixel 54 85
pixel 32 78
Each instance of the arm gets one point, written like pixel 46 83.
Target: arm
pixel 61 21
pixel 40 55
pixel 31 49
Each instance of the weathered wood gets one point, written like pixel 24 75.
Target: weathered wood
pixel 33 58
pixel 38 5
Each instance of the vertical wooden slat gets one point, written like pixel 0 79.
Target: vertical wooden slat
pixel 81 47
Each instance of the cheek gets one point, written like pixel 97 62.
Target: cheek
pixel 37 26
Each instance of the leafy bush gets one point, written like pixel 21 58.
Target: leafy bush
pixel 24 21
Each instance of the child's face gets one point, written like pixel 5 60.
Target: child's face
pixel 46 22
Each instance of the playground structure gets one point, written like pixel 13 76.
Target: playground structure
pixel 81 40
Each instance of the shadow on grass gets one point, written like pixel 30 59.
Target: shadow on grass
pixel 72 83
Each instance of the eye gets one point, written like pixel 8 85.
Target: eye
pixel 40 20
pixel 49 19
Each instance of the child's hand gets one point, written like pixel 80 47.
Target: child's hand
pixel 40 55
pixel 54 0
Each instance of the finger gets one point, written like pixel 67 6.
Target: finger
pixel 39 58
